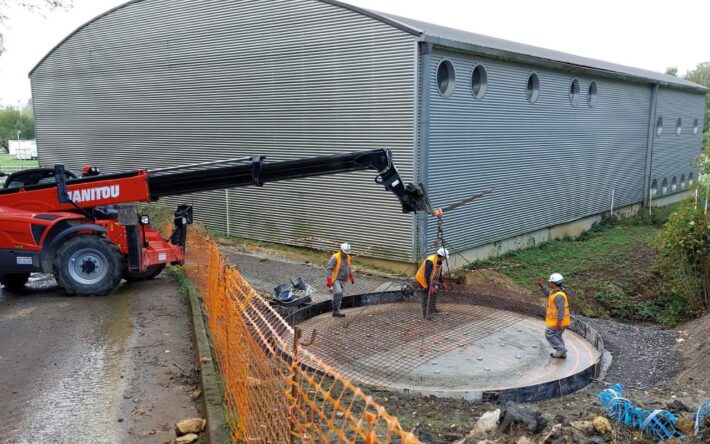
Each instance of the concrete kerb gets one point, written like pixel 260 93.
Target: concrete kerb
pixel 216 430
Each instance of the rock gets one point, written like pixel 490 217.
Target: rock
pixel 486 423
pixel 602 425
pixel 553 435
pixel 192 425
pixel 596 439
pixel 524 440
pixel 585 427
pixel 425 437
pixel 685 425
pixel 186 439
pixel 451 436
pixel 196 394
pixel 529 416
pixel 678 406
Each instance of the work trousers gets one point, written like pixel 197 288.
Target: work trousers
pixel 338 287
pixel 554 337
pixel 428 302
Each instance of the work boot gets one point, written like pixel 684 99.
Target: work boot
pixel 558 355
pixel 337 314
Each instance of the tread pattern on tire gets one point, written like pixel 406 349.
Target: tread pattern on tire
pixel 113 254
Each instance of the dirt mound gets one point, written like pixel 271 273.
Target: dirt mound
pixel 490 281
pixel 694 347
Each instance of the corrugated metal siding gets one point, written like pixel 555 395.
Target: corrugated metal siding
pixel 673 154
pixel 548 162
pixel 164 82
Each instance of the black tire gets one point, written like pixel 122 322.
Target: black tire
pixel 88 265
pixel 14 281
pixel 149 273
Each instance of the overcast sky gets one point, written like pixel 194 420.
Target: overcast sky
pixel 652 35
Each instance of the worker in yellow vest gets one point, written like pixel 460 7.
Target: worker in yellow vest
pixel 339 272
pixel 429 276
pixel 557 317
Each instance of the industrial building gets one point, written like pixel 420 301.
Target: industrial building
pixel 559 138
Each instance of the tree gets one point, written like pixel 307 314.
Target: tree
pixel 13 120
pixel 672 71
pixel 35 6
pixel 701 76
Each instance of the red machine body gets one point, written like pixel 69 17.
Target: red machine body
pixel 87 232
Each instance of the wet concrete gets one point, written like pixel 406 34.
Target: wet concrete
pixel 95 369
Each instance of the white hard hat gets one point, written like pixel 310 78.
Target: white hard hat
pixel 345 248
pixel 556 278
pixel 443 252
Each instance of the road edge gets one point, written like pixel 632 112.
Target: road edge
pixel 213 403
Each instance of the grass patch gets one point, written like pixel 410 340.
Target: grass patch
pixel 610 271
pixel 8 160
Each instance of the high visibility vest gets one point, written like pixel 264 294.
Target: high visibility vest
pixel 338 262
pixel 551 317
pixel 421 273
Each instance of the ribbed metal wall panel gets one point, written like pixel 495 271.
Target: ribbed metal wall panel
pixel 674 154
pixel 164 82
pixel 548 162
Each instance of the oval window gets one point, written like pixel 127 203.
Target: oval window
pixel 574 92
pixel 592 93
pixel 445 78
pixel 682 182
pixel 678 127
pixel 674 184
pixel 659 126
pixel 479 82
pixel 533 88
pixel 664 186
pixel 695 127
pixel 654 187
pixel 690 178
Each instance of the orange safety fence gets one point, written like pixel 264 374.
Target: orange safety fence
pixel 276 391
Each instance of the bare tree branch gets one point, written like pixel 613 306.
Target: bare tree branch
pixel 41 7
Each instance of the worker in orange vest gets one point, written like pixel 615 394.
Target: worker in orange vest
pixel 430 275
pixel 557 317
pixel 339 272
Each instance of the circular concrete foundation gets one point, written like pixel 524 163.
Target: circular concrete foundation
pixel 469 351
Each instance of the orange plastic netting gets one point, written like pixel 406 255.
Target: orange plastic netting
pixel 275 391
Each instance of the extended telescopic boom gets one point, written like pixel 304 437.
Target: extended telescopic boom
pixel 150 185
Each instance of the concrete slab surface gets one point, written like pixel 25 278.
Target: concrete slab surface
pixel 465 348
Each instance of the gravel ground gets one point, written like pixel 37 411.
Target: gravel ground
pixel 644 356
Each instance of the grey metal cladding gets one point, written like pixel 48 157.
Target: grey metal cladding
pixel 674 154
pixel 548 162
pixel 163 82
pixel 492 46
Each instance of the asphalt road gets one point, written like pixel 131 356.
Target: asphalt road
pixel 116 368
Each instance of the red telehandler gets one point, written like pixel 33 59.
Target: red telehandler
pixel 87 232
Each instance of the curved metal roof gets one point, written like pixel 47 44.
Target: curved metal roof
pixel 481 44
pixel 506 49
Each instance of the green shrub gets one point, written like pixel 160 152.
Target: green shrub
pixel 684 246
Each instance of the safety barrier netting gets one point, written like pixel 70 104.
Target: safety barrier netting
pixel 276 391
